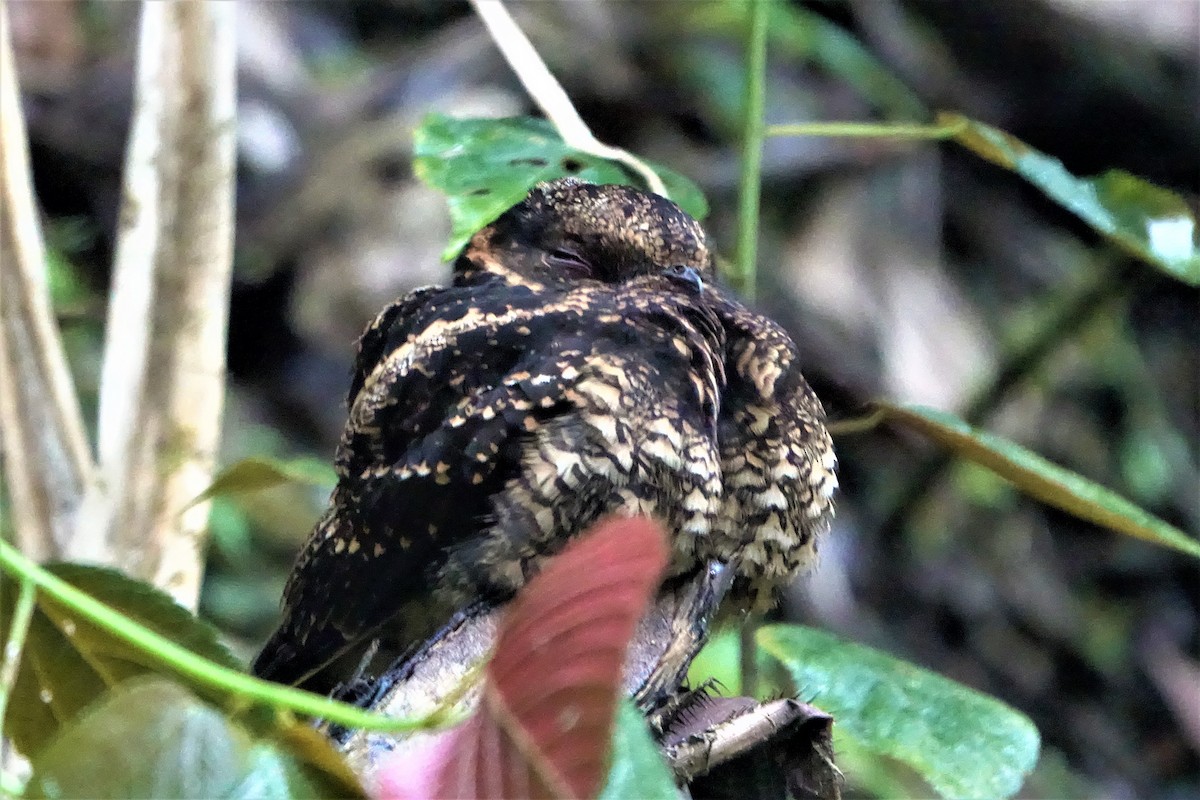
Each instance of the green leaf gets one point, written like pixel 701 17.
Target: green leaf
pixel 1147 221
pixel 1040 478
pixel 486 166
pixel 67 662
pixel 637 768
pixel 257 473
pixel 152 738
pixel 964 743
pixel 720 660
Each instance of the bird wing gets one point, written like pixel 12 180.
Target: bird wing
pixel 777 458
pixel 447 384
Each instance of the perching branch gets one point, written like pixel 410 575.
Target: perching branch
pixel 549 95
pixel 162 382
pixel 47 461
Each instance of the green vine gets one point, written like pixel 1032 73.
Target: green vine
pixel 183 662
pixel 22 616
pixel 745 275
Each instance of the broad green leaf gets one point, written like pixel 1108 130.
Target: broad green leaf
pixel 637 768
pixel 485 166
pixel 1040 478
pixel 964 743
pixel 256 474
pixel 1148 221
pixel 67 663
pixel 874 775
pixel 152 738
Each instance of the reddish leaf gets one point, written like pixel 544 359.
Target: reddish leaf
pixel 545 721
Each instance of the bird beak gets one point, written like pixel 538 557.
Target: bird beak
pixel 688 275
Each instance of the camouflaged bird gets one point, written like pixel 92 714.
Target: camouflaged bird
pixel 582 363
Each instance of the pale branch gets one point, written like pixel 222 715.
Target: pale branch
pixel 549 94
pixel 46 457
pixel 163 378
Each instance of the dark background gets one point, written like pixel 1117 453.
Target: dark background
pixel 913 271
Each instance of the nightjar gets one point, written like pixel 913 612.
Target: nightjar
pixel 583 362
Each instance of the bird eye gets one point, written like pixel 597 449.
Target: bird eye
pixel 687 275
pixel 570 260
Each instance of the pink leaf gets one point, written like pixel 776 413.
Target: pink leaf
pixel 549 698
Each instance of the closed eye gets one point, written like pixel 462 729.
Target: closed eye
pixel 570 261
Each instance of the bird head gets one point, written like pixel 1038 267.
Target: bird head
pixel 569 230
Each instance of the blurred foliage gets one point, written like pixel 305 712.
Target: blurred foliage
pixel 798 33
pixel 902 270
pixel 152 738
pixel 68 663
pixel 1036 476
pixel 256 474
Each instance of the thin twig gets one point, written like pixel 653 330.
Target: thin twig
pixel 883 130
pixel 745 279
pixel 163 379
pixel 45 442
pixel 853 425
pixel 18 630
pixel 548 93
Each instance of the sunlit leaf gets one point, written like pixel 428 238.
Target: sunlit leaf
pixel 1146 220
pixel 1040 478
pixel 964 743
pixel 67 662
pixel 152 738
pixel 637 768
pixel 486 166
pixel 256 474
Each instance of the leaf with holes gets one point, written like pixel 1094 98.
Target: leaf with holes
pixel 67 663
pixel 152 738
pixel 486 166
pixel 1148 221
pixel 963 742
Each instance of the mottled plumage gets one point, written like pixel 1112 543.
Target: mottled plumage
pixel 582 363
